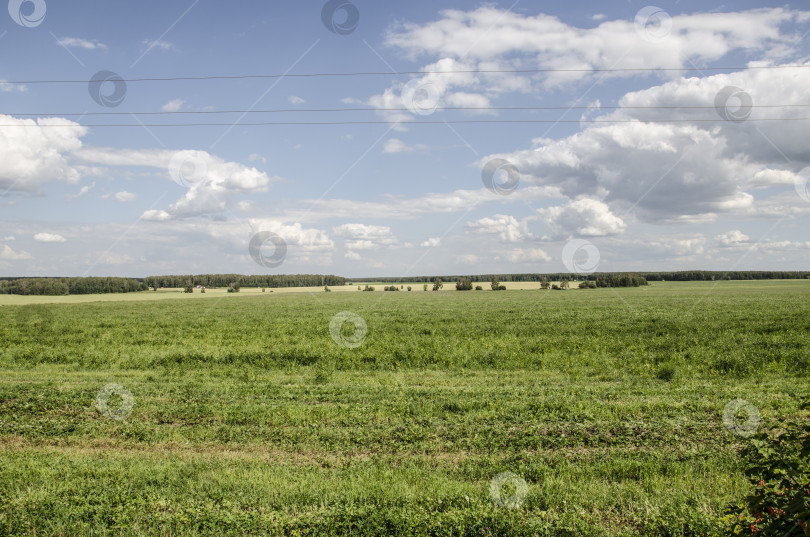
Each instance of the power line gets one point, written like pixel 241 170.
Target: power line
pixel 437 122
pixel 390 73
pixel 337 110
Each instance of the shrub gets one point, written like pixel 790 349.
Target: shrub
pixel 464 284
pixel 779 471
pixel 544 283
pixel 391 288
pixel 326 289
pixel 555 287
pixel 409 288
pixel 437 284
pixel 479 288
pixel 369 289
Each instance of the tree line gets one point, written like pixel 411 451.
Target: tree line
pixel 241 280
pixel 70 286
pixel 677 276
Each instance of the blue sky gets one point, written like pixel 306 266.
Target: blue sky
pixel 719 188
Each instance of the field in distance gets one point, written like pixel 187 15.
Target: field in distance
pixel 257 414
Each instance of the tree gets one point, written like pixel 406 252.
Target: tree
pixel 464 284
pixel 424 287
pixel 189 287
pixel 495 283
pixel 564 283
pixel 437 284
pixel 544 283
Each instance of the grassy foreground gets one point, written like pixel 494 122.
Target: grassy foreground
pixel 245 417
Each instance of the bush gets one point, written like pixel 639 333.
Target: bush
pixel 779 471
pixel 479 288
pixel 391 288
pixel 464 284
pixel 369 289
pixel 587 285
pixel 326 289
pixel 555 287
pixel 409 288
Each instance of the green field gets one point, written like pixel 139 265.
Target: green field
pixel 241 415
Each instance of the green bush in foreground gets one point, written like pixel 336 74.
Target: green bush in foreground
pixel 779 470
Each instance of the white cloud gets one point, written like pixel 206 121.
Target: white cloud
pixel 352 255
pixel 125 196
pixel 8 87
pixel 9 238
pixel 30 156
pixel 431 242
pixel 158 44
pixel 208 191
pixel 10 255
pixel 467 259
pixel 768 177
pixel 366 237
pixel 528 255
pixel 82 191
pixel 395 145
pixel 505 226
pixel 733 238
pixel 294 99
pixel 76 42
pixel 173 106
pixel 584 217
pixel 49 237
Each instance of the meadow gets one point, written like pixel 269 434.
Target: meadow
pixel 525 412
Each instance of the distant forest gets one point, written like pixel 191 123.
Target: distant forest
pixel 681 276
pixel 69 286
pixel 224 280
pixel 100 285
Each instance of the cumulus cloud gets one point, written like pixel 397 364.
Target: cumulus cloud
pixel 528 255
pixel 49 237
pixel 211 181
pixel 125 196
pixel 10 255
pixel 32 156
pixel 506 227
pixel 733 238
pixel 173 106
pixel 366 237
pixel 584 217
pixel 294 99
pixel 515 41
pixel 431 242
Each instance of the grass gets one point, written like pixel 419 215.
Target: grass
pixel 248 418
